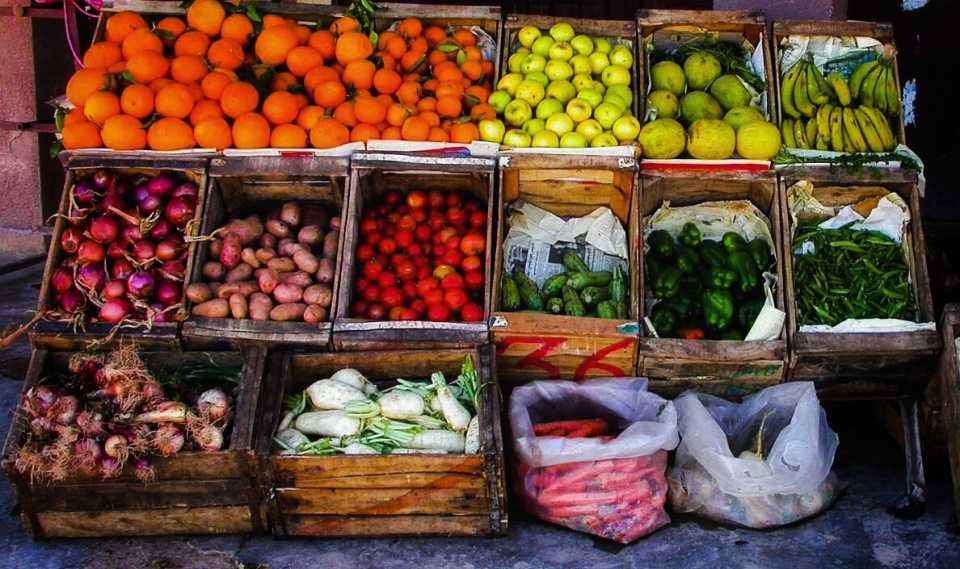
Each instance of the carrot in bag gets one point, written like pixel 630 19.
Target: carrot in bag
pixel 590 428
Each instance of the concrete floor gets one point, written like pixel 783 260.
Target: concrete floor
pixel 856 532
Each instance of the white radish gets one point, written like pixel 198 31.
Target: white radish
pixel 332 423
pixel 358 448
pixel 454 413
pixel 291 439
pixel 472 445
pixel 401 404
pixel 330 394
pixel 437 439
pixel 417 451
pixel 354 379
pixel 285 422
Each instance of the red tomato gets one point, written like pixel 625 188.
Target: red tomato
pixel 419 306
pixel 382 209
pixel 471 206
pixel 438 312
pixel 409 290
pixel 406 270
pixel 368 225
pixel 427 284
pixel 409 314
pixel 471 263
pixel 389 231
pixel 456 216
pixel 365 252
pixel 393 217
pixel 374 238
pixel 387 246
pixel 372 269
pixel 415 250
pixel 416 199
pixel 433 296
pixel 386 279
pixel 372 294
pixel 419 215
pixel 437 221
pixel 375 311
pixel 397 258
pixel 391 297
pixel 404 238
pixel 451 281
pixel 395 312
pixel 473 280
pixel 453 199
pixel 455 298
pixel 448 233
pixel 471 312
pixel 478 219
pixel 452 257
pixel 473 243
pixel 427 248
pixel 423 233
pixel 358 309
pixel 436 199
pixel 423 271
pixel 391 197
pixel 406 222
pixel 362 285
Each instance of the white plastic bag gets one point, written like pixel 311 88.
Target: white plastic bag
pixel 761 463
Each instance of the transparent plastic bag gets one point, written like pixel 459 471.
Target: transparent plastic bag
pixel 761 463
pixel 612 486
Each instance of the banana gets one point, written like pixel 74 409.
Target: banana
pixel 852 130
pixel 816 95
pixel 811 132
pixel 869 84
pixel 786 129
pixel 821 143
pixel 801 97
pixel 836 129
pixel 823 122
pixel 800 134
pixel 893 94
pixel 869 133
pixel 859 74
pixel 840 88
pixel 880 90
pixel 882 127
pixel 847 145
pixel 787 88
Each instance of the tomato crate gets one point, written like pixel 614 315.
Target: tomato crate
pixel 384 495
pixel 244 185
pixel 193 492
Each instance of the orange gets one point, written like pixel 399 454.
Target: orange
pixel 102 54
pixel 487 67
pixel 273 44
pixel 238 98
pixel 205 110
pixel 419 44
pixel 76 115
pixel 118 67
pixel 464 37
pixel 328 133
pixel 464 132
pixel 139 41
pixel 329 94
pixel 391 133
pixel 81 134
pixel 85 82
pixel 187 68
pixel 482 111
pixel 214 84
pixel 364 132
pixel 288 136
pixel 213 133
pixel 449 88
pixel 324 42
pixel 396 47
pixel 302 100
pixel 309 115
pixel 273 20
pixel 121 24
pixel 369 110
pixel 437 57
pixel 303 33
pixel 283 81
pixel 196 90
pixel 318 75
pixel 346 114
pixel 170 133
pixel 412 60
pixel 302 59
pixel 191 43
pixel 174 100
pixel 409 92
pixel 437 134
pixel 410 28
pixel 206 16
pixel 237 27
pixel 100 106
pixel 359 74
pixel 225 53
pixel 434 35
pixel 472 53
pixel 386 81
pixel 415 128
pixel 473 70
pixel 447 71
pixel 160 83
pixel 397 113
pixel 251 130
pixel 449 107
pixel 123 132
pixel 431 118
pixel 476 95
pixel 170 28
pixel 343 25
pixel 353 46
pixel 427 104
pixel 281 107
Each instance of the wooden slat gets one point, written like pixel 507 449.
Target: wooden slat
pixel 387 526
pixel 173 521
pixel 420 480
pixel 136 495
pixel 360 465
pixel 381 501
pixel 950 388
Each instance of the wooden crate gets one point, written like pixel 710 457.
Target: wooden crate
pixel 242 185
pixel 901 357
pixel 948 376
pixel 370 175
pixel 194 492
pixel 723 367
pixel 546 346
pixel 384 495
pixel 62 335
pixel 878 30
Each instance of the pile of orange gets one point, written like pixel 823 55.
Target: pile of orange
pixel 179 83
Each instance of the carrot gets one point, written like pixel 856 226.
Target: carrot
pixel 597 426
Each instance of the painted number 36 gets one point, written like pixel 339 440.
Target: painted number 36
pixel 544 347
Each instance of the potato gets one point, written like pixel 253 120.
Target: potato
pixel 242 272
pixel 264 254
pixel 335 223
pixel 286 293
pixel 312 214
pixel 288 312
pixel 249 256
pixel 246 288
pixel 320 294
pixel 281 264
pixel 268 241
pixel 214 287
pixel 299 278
pixel 259 306
pixel 230 253
pixel 238 306
pixel 198 293
pixel 268 280
pixel 214 248
pixel 330 243
pixel 212 271
pixel 290 213
pixel 326 270
pixel 248 230
pixel 314 314
pixel 310 235
pixel 306 261
pixel 286 247
pixel 278 228
pixel 216 308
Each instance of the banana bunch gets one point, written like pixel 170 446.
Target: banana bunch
pixel 874 83
pixel 804 90
pixel 840 128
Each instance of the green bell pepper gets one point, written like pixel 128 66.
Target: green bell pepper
pixel 733 242
pixel 748 311
pixel 720 278
pixel 717 308
pixel 760 252
pixel 653 266
pixel 690 285
pixel 664 319
pixel 667 284
pixel 747 274
pixel 687 259
pixel 687 307
pixel 661 243
pixel 712 253
pixel 690 235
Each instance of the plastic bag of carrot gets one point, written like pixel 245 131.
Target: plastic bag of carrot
pixel 592 456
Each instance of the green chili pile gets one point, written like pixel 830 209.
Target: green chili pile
pixel 851 274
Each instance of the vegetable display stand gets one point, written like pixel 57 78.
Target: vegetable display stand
pixel 384 495
pixel 255 185
pixel 373 177
pixel 554 346
pixel 889 362
pixel 720 367
pixel 193 492
pixel 949 378
pixel 62 332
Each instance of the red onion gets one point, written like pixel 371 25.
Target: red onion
pixel 140 284
pixel 164 412
pixel 173 270
pixel 104 229
pixel 144 251
pixel 84 194
pixel 131 233
pixel 64 411
pixel 168 292
pixel 70 239
pixel 158 312
pixel 91 276
pixel 61 280
pixel 150 204
pixel 140 192
pixel 116 447
pixel 213 405
pixel 121 269
pixel 143 471
pixel 110 468
pixel 113 200
pixel 115 310
pixel 102 179
pixel 170 248
pixel 187 190
pixel 116 250
pixel 168 439
pixel 160 185
pixel 152 391
pixel 72 301
pixel 208 438
pixel 90 423
pixel 90 252
pixel 161 230
pixel 114 289
pixel 87 454
pixel 179 211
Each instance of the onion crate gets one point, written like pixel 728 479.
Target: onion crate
pixel 372 175
pixel 549 346
pixel 64 334
pixel 384 495
pixel 193 492
pixel 901 357
pixel 245 185
pixel 723 367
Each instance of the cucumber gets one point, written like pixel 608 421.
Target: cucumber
pixel 580 281
pixel 509 294
pixel 571 302
pixel 607 309
pixel 621 310
pixel 618 285
pixel 555 305
pixel 574 263
pixel 554 284
pixel 529 295
pixel 593 294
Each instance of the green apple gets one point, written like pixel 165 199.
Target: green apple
pixel 573 140
pixel 579 110
pixel 545 139
pixel 606 114
pixel 509 82
pixel 562 90
pixel 548 107
pixel 537 77
pixel 582 44
pixel 533 126
pixel 527 35
pixel 557 70
pixel 529 91
pixel 598 62
pixel 615 75
pixel 591 96
pixel 621 56
pixel 561 51
pixel 491 130
pixel 499 100
pixel 602 45
pixel 664 102
pixel 599 87
pixel 590 128
pixel 626 129
pixel 515 63
pixel 615 100
pixel 541 46
pixel 622 91
pixel 517 138
pixel 562 31
pixel 581 64
pixel 582 81
pixel 560 123
pixel 533 63
pixel 517 112
pixel 605 139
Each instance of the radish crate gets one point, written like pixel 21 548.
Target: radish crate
pixel 193 492
pixel 384 495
